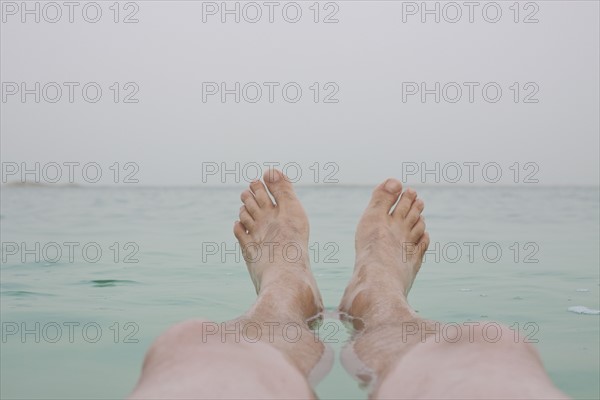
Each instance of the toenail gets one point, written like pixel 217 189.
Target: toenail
pixel 393 186
pixel 410 191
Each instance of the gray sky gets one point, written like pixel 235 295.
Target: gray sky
pixel 370 58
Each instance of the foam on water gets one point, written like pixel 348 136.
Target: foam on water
pixel 583 310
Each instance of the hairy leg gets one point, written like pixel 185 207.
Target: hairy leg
pixel 411 357
pixel 270 351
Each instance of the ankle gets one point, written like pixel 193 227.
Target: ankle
pixel 294 300
pixel 378 304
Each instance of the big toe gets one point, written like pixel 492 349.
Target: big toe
pixel 280 187
pixel 385 196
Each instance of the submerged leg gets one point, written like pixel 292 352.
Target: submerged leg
pixel 411 357
pixel 270 351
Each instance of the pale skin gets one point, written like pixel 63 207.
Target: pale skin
pixel 201 359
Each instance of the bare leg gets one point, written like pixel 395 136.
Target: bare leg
pixel 416 358
pixel 270 351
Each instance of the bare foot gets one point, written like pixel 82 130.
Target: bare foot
pixel 402 355
pixel 270 351
pixel 274 240
pixel 390 243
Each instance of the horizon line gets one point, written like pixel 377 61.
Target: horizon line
pixel 306 185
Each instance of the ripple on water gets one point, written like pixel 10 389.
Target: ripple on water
pixel 110 282
pixel 23 293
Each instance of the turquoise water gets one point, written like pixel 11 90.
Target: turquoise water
pixel 556 230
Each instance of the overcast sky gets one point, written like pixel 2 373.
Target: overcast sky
pixel 370 61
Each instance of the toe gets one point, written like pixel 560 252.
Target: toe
pixel 423 243
pixel 250 203
pixel 415 213
pixel 246 219
pixel 260 194
pixel 280 187
pixel 385 195
pixel 417 231
pixel 406 201
pixel 239 230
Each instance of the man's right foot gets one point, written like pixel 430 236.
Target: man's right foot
pixel 390 244
pixel 288 295
pixel 274 239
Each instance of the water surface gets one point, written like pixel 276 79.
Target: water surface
pixel 549 261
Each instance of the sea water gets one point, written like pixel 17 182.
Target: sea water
pixel 117 266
